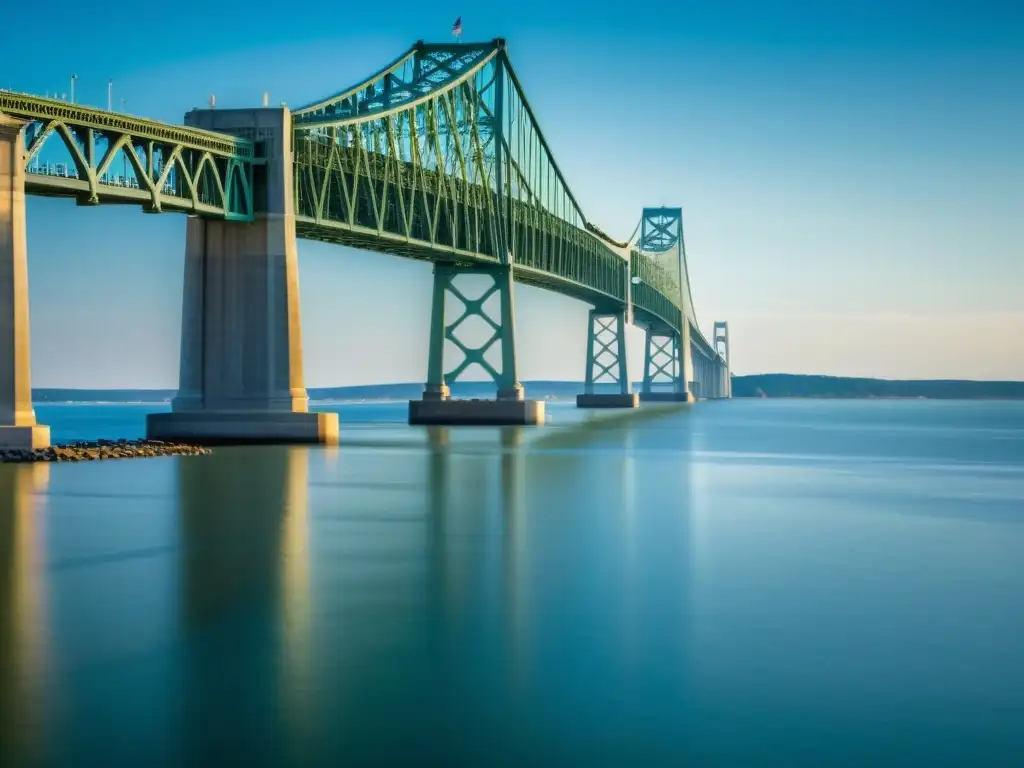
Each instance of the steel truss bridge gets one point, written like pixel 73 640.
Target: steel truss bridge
pixel 438 156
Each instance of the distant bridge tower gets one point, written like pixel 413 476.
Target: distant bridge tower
pixel 667 350
pixel 721 342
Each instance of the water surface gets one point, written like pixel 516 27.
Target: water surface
pixel 738 583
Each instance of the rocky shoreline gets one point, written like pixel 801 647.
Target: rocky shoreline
pixel 102 449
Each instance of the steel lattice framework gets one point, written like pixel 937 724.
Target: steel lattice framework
pixel 440 157
pixel 662 250
pixel 166 167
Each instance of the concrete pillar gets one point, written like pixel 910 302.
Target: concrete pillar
pixel 18 428
pixel 241 377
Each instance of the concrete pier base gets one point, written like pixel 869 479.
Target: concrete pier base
pixel 24 438
pixel 476 412
pixel 228 427
pixel 666 397
pixel 608 400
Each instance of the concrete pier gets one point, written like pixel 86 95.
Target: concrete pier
pixel 241 375
pixel 608 400
pixel 18 427
pixel 476 412
pixel 666 397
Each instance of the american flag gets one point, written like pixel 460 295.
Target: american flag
pixel 457 27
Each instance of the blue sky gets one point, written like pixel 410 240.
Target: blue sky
pixel 851 175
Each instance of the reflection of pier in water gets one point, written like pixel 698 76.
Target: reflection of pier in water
pixel 24 607
pixel 611 490
pixel 244 527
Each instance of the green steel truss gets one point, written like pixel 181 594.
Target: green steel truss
pixel 500 330
pixel 440 157
pixel 663 297
pixel 654 293
pixel 606 351
pixel 164 168
pixel 663 362
pixel 661 238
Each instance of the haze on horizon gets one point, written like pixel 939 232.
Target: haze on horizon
pixel 851 176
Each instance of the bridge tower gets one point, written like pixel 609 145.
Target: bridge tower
pixel 668 354
pixel 241 377
pixel 721 342
pixel 510 405
pixel 18 427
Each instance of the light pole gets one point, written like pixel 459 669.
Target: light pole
pixel 110 95
pixel 73 79
pixel 124 157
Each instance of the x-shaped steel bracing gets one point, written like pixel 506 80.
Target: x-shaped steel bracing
pixel 473 308
pixel 663 360
pixel 606 338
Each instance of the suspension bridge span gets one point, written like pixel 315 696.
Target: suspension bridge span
pixel 437 157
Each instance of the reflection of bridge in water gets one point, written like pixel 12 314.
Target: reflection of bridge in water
pixel 24 615
pixel 359 603
pixel 438 156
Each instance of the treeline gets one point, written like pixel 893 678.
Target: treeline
pixel 792 385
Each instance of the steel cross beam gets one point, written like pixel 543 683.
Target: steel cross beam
pixel 666 351
pixel 502 331
pixel 473 308
pixel 664 361
pixel 606 351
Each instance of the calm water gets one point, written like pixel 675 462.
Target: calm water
pixel 740 583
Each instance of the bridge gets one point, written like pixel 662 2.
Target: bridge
pixel 437 157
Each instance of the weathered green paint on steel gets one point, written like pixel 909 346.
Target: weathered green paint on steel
pixel 177 168
pixel 439 157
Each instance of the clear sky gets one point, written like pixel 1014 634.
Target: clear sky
pixel 851 174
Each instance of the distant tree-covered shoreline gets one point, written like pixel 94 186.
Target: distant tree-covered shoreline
pixel 793 385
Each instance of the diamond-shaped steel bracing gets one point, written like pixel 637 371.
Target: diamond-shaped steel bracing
pixel 502 329
pixel 606 351
pixel 663 363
